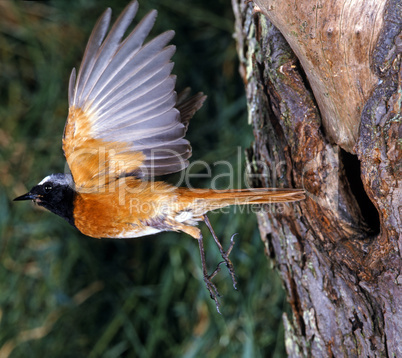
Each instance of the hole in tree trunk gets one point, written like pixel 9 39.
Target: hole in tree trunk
pixel 352 169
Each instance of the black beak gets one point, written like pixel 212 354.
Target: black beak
pixel 27 196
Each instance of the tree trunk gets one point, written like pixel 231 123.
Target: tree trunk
pixel 323 84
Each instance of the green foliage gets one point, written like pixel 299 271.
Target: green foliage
pixel 66 295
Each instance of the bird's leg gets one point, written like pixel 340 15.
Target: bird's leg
pixel 224 254
pixel 213 291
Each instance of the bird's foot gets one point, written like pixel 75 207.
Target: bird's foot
pixel 213 291
pixel 224 254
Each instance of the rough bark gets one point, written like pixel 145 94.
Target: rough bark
pixel 323 85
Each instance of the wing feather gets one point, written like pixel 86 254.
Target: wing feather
pixel 143 83
pixel 144 105
pixel 124 53
pixel 123 105
pixel 108 48
pixel 71 87
pixel 96 38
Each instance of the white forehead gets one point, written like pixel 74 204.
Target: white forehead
pixel 62 179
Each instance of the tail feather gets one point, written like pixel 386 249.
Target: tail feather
pixel 207 200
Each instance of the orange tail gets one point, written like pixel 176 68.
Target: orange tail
pixel 207 200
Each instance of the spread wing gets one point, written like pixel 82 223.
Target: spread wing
pixel 124 115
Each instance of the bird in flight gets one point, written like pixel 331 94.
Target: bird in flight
pixel 125 127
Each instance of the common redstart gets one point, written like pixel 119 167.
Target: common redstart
pixel 126 126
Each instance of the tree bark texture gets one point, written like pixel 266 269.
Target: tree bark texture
pixel 323 85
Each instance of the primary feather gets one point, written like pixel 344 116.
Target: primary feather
pixel 123 99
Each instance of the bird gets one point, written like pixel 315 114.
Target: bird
pixel 124 130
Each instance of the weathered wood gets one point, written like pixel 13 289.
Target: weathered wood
pixel 333 41
pixel 337 253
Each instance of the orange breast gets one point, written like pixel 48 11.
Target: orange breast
pixel 128 208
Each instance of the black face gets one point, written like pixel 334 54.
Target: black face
pixel 56 196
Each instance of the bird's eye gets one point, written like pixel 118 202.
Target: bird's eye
pixel 47 187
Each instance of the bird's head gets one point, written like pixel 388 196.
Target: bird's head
pixel 55 193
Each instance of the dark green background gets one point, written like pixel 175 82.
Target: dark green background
pixel 122 298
